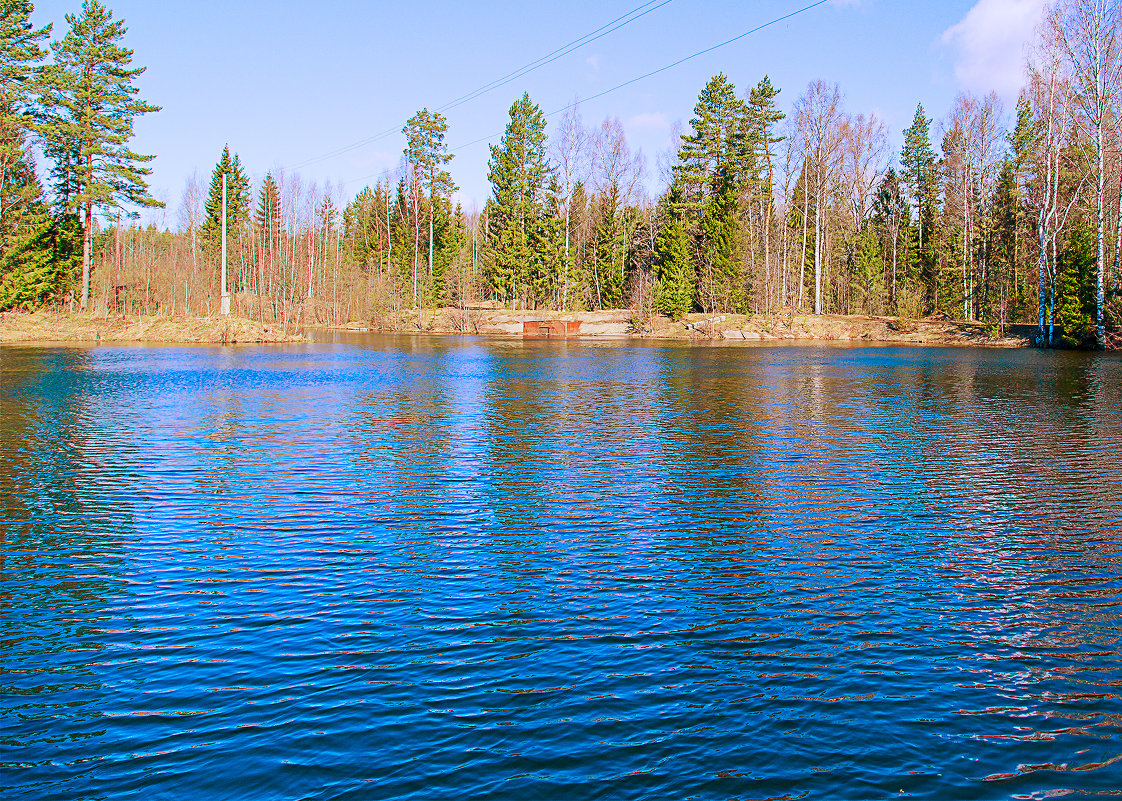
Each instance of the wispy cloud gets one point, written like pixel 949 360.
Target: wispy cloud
pixel 989 44
pixel 648 122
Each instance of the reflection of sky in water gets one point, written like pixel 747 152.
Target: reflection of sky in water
pixel 440 567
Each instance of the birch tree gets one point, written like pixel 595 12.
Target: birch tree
pixel 1087 34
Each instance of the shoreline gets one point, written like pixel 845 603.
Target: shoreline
pixel 51 327
pixel 759 328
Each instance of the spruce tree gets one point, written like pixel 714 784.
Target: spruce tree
pixel 674 260
pixel 268 217
pixel 91 104
pixel 921 182
pixel 237 201
pixel 720 229
pixel 519 176
pixel 36 266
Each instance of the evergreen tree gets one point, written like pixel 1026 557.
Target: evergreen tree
pixel 20 54
pixel 1075 285
pixel 890 214
pixel 717 140
pixel 91 104
pixel 920 180
pixel 268 220
pixel 763 115
pixel 1023 142
pixel 427 151
pixel 519 176
pixel 674 260
pixel 37 265
pixel 237 201
pixel 721 249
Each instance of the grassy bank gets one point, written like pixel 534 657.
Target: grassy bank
pixel 50 326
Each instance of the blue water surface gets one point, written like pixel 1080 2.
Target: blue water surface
pixel 408 567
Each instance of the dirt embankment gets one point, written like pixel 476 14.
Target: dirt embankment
pixel 733 327
pixel 46 326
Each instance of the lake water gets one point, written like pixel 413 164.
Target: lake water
pixel 402 567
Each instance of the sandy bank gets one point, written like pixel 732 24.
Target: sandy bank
pixel 735 327
pixel 47 326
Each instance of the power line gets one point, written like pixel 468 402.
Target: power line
pixel 548 58
pixel 644 76
pixel 757 29
pixel 558 53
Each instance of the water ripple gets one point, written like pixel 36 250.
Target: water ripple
pixel 402 567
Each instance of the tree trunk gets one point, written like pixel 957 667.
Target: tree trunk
pixel 1100 259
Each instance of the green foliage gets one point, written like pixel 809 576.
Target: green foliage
pixel 721 247
pixel 921 181
pixel 674 293
pixel 237 201
pixel 1075 282
pixel 39 265
pixel 427 151
pixel 762 116
pixel 20 55
pixel 268 214
pixel 718 141
pixel 868 272
pixel 519 176
pixel 90 103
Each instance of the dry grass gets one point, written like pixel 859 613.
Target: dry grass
pixel 50 326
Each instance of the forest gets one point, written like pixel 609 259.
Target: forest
pixel 990 214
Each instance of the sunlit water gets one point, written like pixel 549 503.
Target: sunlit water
pixel 445 569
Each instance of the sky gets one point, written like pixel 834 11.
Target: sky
pixel 308 88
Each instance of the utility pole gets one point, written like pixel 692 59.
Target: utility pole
pixel 225 294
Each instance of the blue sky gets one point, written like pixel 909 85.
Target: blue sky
pixel 286 83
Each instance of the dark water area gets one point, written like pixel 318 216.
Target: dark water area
pixel 402 567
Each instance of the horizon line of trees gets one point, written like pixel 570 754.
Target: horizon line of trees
pixel 765 210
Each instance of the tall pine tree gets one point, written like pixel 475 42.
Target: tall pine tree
pixel 427 151
pixel 719 129
pixel 91 103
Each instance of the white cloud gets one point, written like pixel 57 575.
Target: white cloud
pixel 593 61
pixel 989 44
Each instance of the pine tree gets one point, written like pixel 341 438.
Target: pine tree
pixel 91 105
pixel 719 129
pixel 519 176
pixel 237 201
pixel 427 152
pixel 20 83
pixel 763 115
pixel 1023 140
